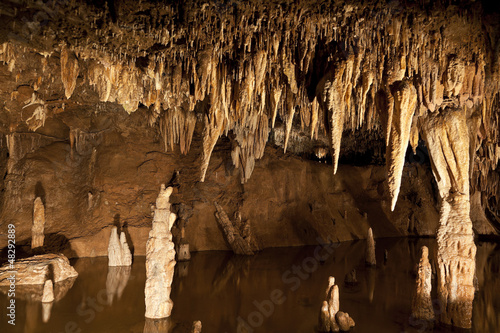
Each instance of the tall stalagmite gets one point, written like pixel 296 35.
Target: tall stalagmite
pixel 118 249
pixel 160 259
pixel 370 249
pixel 446 137
pixel 37 229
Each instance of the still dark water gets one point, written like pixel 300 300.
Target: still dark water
pixel 277 290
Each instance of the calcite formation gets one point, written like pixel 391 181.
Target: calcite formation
pixel 196 327
pixel 37 229
pixel 330 318
pixel 160 259
pixel 116 281
pixel 118 249
pixel 48 292
pixel 421 306
pixel 34 270
pixel 446 136
pixel 233 233
pixel 370 249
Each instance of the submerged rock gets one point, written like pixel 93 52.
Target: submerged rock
pixel 34 270
pixel 344 321
pixel 196 327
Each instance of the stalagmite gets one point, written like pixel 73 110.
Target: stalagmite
pixel 446 137
pixel 48 292
pixel 160 259
pixel 405 101
pixel 370 249
pixel 330 318
pixel 196 327
pixel 422 303
pixel 118 249
pixel 37 229
pixel 238 244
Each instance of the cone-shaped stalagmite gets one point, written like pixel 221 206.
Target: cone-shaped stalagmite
pixel 37 229
pixel 446 137
pixel 160 259
pixel 329 318
pixel 421 303
pixel 118 249
pixel 370 249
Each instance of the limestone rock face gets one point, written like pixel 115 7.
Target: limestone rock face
pixel 446 137
pixel 34 270
pixel 37 235
pixel 370 249
pixel 48 292
pixel 118 249
pixel 422 302
pixel 160 259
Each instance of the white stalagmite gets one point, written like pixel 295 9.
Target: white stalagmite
pixel 328 316
pixel 48 292
pixel 370 249
pixel 118 249
pixel 405 101
pixel 421 307
pixel 37 229
pixel 446 136
pixel 160 259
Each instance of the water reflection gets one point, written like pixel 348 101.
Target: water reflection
pixel 226 292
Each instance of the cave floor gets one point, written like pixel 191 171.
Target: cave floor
pixel 277 290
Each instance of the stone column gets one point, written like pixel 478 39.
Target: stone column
pixel 160 259
pixel 447 138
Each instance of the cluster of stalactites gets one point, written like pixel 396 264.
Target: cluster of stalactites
pixel 334 68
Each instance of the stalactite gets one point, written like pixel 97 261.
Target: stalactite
pixel 405 101
pixel 69 70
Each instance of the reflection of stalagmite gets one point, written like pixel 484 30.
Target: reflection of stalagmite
pixel 47 300
pixel 422 303
pixel 448 143
pixel 405 101
pixel 328 318
pixel 118 249
pixel 46 311
pixel 370 249
pixel 232 233
pixel 182 250
pixel 38 224
pixel 160 259
pixel 116 281
pixel 157 325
